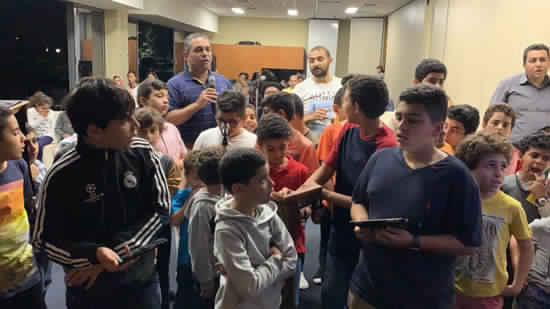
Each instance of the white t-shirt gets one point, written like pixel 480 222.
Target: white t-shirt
pixel 316 96
pixel 44 126
pixel 214 137
pixel 134 92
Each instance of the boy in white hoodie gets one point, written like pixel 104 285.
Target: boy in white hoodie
pixel 250 240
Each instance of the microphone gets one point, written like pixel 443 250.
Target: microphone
pixel 211 82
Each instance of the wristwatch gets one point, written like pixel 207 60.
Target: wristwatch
pixel 415 243
pixel 542 201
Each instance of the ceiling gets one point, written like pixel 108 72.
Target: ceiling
pixel 306 8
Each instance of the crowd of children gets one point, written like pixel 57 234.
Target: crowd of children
pixel 476 206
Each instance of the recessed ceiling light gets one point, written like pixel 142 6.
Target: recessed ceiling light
pixel 351 10
pixel 293 12
pixel 239 11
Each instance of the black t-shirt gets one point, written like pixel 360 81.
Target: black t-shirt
pixel 442 198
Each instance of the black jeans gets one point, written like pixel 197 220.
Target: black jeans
pixel 187 296
pixel 163 265
pixel 325 235
pixel 30 298
pixel 144 295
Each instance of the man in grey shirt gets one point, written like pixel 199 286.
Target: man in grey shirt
pixel 528 93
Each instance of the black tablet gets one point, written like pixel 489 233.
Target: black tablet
pixel 381 223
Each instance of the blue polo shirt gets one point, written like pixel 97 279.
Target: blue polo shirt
pixel 439 199
pixel 183 90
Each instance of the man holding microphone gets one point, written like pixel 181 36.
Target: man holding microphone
pixel 193 92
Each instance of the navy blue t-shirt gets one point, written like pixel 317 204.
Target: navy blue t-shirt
pixel 348 158
pixel 184 90
pixel 442 198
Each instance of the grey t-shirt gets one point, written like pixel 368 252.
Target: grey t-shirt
pixel 513 187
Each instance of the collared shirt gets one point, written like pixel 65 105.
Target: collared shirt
pixel 183 90
pixel 531 104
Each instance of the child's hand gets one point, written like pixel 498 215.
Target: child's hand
pixel 281 195
pixel 275 252
pixel 305 213
pixel 539 188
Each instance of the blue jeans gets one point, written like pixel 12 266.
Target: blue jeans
pixel 338 273
pixel 299 269
pixel 139 296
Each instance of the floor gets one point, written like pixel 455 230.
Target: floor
pixel 309 299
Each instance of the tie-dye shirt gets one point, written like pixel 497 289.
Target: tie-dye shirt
pixel 17 268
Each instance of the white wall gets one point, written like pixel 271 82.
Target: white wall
pixel 484 43
pixel 267 31
pixel 323 33
pixel 181 12
pixel 405 47
pixel 365 47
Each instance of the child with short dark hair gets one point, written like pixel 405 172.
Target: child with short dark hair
pixel 273 137
pixel 438 196
pixel 529 184
pixel 20 285
pixel 250 122
pixel 299 147
pixel 201 212
pixel 154 94
pixel 462 120
pixel 481 280
pixel 230 133
pixel 251 241
pixel 150 126
pixel 186 295
pixel 500 119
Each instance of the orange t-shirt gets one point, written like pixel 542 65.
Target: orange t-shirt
pixel 447 149
pixel 302 150
pixel 328 139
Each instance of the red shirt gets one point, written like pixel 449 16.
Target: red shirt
pixel 292 176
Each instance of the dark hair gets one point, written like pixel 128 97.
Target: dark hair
pixel 270 76
pixel 40 98
pixel 281 101
pixel 155 75
pixel 338 96
pixel 370 92
pixel 433 99
pixel 545 130
pixel 531 47
pixel 298 106
pixel 537 140
pixel 146 88
pixel 191 160
pixel 475 147
pixel 266 85
pixel 148 118
pixel 272 126
pixel 239 166
pixel 499 108
pixel 5 113
pixel 347 78
pixel 381 67
pixel 321 48
pixel 231 102
pixel 428 66
pixel 300 76
pixel 131 72
pixel 209 160
pixel 245 74
pixel 97 101
pixel 465 114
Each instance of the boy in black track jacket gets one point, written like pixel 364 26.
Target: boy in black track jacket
pixel 101 200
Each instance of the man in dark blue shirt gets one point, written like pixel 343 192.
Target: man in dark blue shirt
pixel 414 267
pixel 191 94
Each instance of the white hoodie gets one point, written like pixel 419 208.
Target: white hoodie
pixel 243 245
